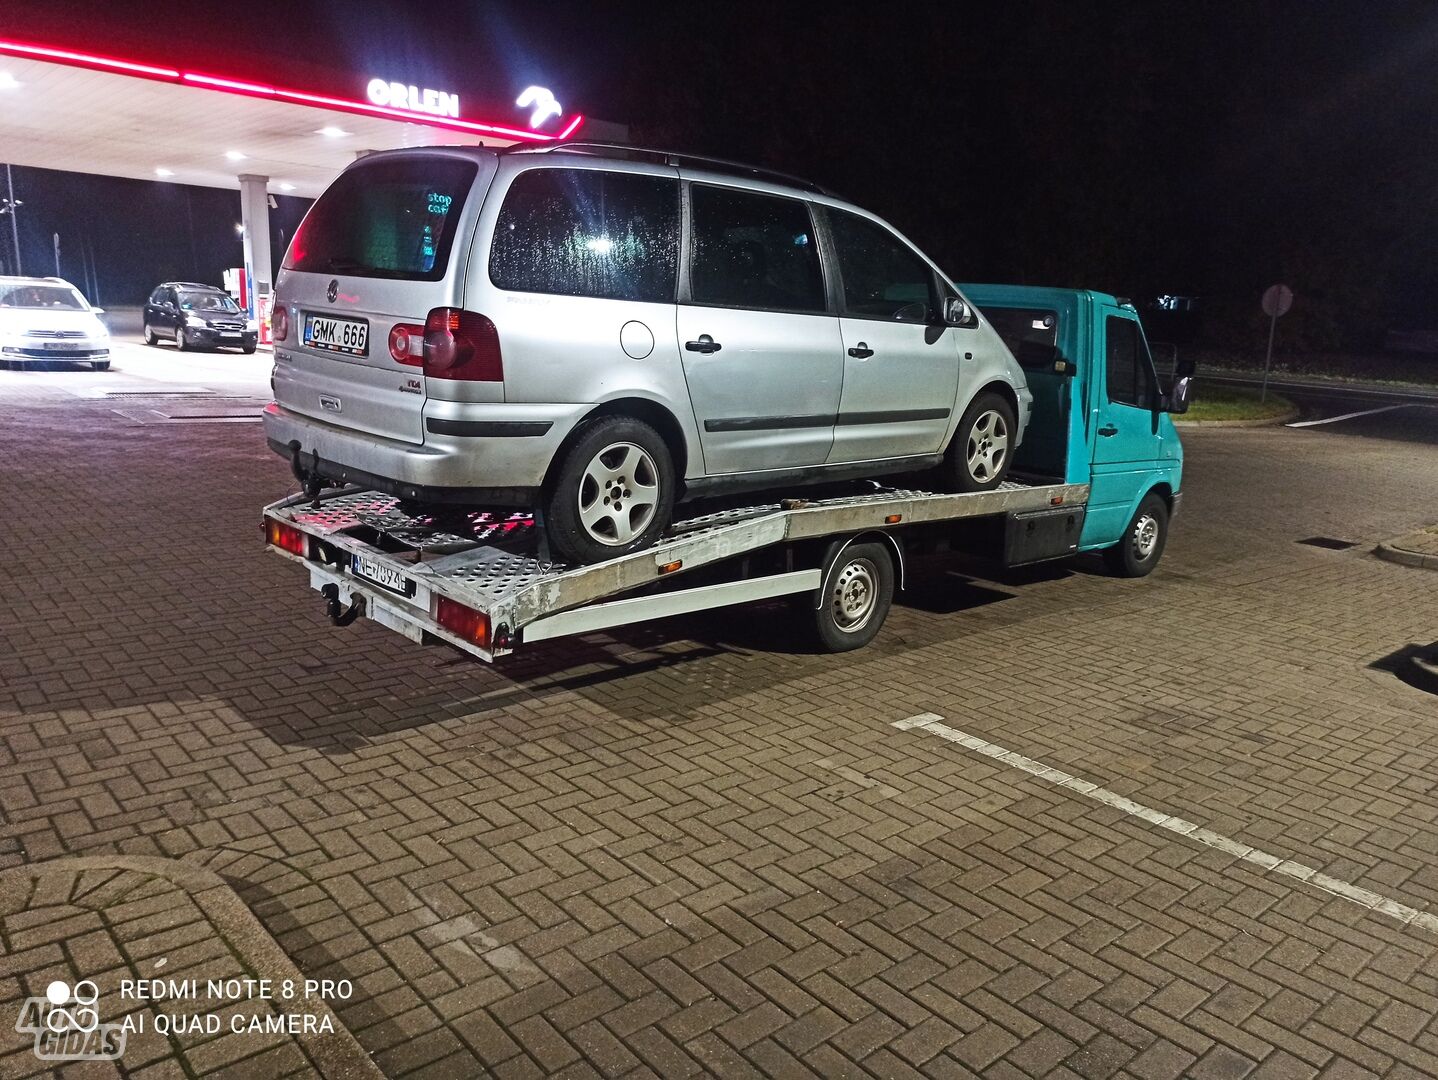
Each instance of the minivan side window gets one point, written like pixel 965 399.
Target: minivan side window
pixel 883 277
pixel 752 250
pixel 1129 382
pixel 586 232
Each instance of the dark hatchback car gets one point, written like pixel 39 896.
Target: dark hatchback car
pixel 197 317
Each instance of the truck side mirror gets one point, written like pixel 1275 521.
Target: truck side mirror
pixel 1176 400
pixel 956 312
pixel 1185 367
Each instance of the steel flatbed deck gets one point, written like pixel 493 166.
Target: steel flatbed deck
pixel 479 581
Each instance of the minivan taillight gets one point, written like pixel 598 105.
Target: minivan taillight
pixel 461 345
pixel 406 344
pixel 280 322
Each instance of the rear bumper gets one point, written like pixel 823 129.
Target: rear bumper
pixel 492 454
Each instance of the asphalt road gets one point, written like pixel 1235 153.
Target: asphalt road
pixel 1380 412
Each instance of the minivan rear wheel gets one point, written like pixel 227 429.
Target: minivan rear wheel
pixel 613 493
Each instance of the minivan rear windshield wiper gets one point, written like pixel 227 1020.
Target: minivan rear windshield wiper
pixel 351 266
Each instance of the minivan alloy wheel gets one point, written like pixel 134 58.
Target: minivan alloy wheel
pixel 988 446
pixel 618 493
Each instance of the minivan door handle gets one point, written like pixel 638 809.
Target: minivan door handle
pixel 861 351
pixel 1108 430
pixel 705 345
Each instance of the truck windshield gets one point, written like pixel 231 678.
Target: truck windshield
pixel 1031 334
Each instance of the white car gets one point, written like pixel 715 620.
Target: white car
pixel 48 319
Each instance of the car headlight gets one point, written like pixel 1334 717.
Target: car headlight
pixel 252 325
pixel 195 320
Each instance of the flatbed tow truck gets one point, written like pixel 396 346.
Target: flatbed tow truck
pixel 1100 470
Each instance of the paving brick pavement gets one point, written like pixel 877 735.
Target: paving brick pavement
pixel 699 848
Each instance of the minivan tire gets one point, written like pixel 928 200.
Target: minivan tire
pixel 150 338
pixel 612 458
pixel 180 344
pixel 982 448
pixel 1143 541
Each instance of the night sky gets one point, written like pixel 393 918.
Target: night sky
pixel 1201 149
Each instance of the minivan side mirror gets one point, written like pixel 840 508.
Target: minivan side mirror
pixel 956 312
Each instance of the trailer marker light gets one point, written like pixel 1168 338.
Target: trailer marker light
pixel 463 622
pixel 670 567
pixel 893 519
pixel 1057 500
pixel 286 537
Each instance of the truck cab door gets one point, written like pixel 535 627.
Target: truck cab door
pixel 1125 435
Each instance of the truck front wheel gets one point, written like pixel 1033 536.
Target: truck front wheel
pixel 1142 545
pixel 854 599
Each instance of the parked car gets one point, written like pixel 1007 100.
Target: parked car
pixel 48 319
pixel 599 331
pixel 197 317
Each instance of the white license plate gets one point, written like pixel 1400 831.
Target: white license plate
pixel 377 573
pixel 350 336
pixel 65 345
pixel 229 333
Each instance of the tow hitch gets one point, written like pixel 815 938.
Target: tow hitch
pixel 338 615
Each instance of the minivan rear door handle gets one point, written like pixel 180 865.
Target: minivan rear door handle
pixel 705 344
pixel 1108 430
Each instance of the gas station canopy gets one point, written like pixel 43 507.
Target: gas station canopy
pixel 75 111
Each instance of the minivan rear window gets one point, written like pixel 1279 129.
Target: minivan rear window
pixel 389 219
pixel 586 232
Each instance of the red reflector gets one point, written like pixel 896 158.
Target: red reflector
pixel 280 322
pixel 461 345
pixel 406 344
pixel 464 622
pixel 286 538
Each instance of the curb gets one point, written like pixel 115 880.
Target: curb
pixel 338 1054
pixel 1403 557
pixel 1267 421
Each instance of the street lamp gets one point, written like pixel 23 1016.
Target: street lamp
pixel 9 205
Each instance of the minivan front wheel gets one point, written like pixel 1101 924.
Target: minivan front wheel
pixel 982 448
pixel 612 494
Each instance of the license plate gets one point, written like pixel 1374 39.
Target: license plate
pixel 60 345
pixel 377 573
pixel 349 336
pixel 229 333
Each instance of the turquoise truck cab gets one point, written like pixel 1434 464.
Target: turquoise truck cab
pixel 1100 413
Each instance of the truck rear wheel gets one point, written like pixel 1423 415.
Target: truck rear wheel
pixel 854 599
pixel 613 492
pixel 1142 545
pixel 982 448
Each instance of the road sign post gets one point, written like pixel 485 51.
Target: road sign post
pixel 1277 299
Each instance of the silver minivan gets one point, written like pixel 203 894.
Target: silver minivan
pixel 597 332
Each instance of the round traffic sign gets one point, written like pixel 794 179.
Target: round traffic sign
pixel 1277 299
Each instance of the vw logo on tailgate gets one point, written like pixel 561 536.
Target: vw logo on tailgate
pixel 333 290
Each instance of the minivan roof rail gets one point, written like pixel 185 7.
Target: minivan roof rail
pixel 670 157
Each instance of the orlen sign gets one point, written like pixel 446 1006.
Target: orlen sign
pixel 395 95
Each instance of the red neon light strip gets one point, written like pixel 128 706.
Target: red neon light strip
pixel 87 60
pixel 233 86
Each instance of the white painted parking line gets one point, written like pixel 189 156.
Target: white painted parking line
pixel 1350 415
pixel 1274 864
